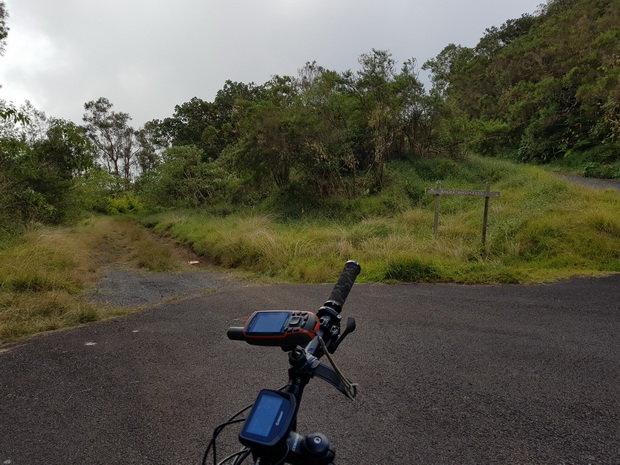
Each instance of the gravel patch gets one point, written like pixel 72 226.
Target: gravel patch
pixel 127 288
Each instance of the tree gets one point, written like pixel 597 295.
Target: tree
pixel 4 29
pixel 230 101
pixel 26 123
pixel 152 143
pixel 330 132
pixel 536 90
pixel 183 179
pixel 8 113
pixel 496 38
pixel 38 176
pixel 230 105
pixel 189 121
pixel 266 145
pixel 58 160
pixel 114 140
pixel 392 113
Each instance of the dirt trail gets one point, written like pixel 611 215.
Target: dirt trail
pixel 130 288
pixel 123 284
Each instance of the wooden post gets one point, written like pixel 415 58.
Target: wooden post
pixel 487 194
pixel 437 200
pixel 485 218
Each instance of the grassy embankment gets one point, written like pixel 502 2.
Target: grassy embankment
pixel 44 273
pixel 540 229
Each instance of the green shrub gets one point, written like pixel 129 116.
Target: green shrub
pixel 125 202
pixel 436 169
pixel 600 170
pixel 184 179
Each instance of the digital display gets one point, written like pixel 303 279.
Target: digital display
pixel 270 419
pixel 269 322
pixel 264 415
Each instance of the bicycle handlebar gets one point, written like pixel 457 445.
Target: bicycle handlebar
pixel 304 363
pixel 235 334
pixel 328 315
pixel 343 286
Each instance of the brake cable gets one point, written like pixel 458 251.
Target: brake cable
pixel 350 389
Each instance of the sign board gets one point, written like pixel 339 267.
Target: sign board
pixel 440 191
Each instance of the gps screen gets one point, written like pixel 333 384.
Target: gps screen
pixel 264 415
pixel 269 322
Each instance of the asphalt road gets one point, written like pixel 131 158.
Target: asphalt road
pixel 448 375
pixel 594 183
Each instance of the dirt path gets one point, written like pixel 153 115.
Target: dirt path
pixel 123 283
pixel 129 288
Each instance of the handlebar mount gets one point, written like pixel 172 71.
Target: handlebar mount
pixel 269 432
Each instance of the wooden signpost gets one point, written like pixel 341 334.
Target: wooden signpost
pixel 487 194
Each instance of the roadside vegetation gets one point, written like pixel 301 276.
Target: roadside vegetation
pixel 540 229
pixel 45 272
pixel 287 179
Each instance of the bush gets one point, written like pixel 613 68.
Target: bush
pixel 599 170
pixel 96 188
pixel 184 179
pixel 436 169
pixel 126 202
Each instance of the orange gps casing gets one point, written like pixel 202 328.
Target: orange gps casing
pixel 283 328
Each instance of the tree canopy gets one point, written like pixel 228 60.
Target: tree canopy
pixel 528 90
pixel 4 28
pixel 551 79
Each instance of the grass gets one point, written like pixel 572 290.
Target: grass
pixel 43 275
pixel 540 229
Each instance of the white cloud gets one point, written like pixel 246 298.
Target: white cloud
pixel 147 57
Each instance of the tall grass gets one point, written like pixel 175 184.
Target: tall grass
pixel 45 271
pixel 540 228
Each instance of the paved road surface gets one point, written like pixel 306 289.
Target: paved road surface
pixel 601 184
pixel 448 375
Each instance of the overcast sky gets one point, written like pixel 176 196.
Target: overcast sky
pixel 146 56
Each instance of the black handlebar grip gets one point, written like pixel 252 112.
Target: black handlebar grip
pixel 343 286
pixel 235 334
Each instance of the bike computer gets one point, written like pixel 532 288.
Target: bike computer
pixel 270 419
pixel 282 328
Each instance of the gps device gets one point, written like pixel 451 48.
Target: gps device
pixel 283 328
pixel 270 419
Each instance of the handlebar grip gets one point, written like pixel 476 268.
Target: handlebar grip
pixel 345 283
pixel 235 334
